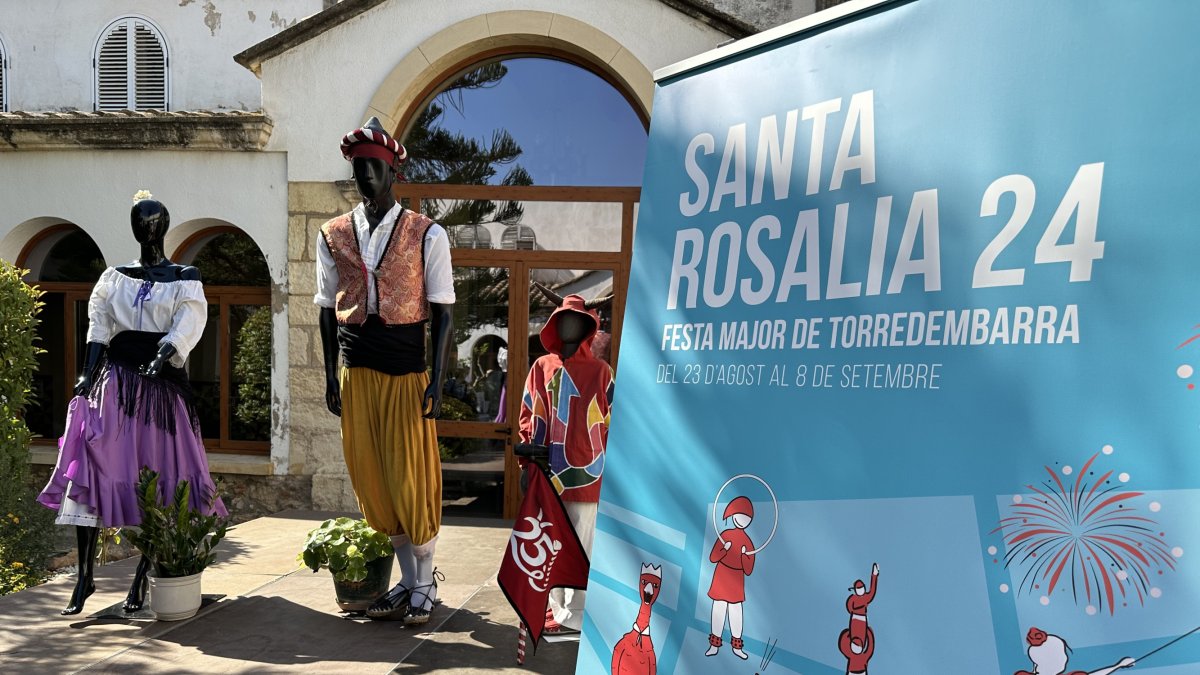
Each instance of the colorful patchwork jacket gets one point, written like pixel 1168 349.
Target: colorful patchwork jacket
pixel 566 407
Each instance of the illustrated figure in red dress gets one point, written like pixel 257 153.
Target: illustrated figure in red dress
pixel 634 652
pixel 733 552
pixel 1049 654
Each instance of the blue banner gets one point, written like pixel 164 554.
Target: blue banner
pixel 908 355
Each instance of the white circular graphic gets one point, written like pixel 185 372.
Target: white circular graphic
pixel 1177 552
pixel 1003 588
pixel 1107 449
pixel 1155 507
pixel 1067 470
pixel 1156 592
pixel 1122 575
pixel 1045 600
pixel 1016 499
pixel 1124 477
pixel 991 550
pixel 1184 371
pixel 774 502
pixel 1090 609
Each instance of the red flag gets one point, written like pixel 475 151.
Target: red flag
pixel 543 553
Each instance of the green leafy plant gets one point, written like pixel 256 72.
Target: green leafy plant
pixel 178 539
pixel 344 546
pixel 26 528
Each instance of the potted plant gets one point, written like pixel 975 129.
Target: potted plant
pixel 178 541
pixel 359 557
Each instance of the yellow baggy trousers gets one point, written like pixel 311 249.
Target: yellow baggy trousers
pixel 391 452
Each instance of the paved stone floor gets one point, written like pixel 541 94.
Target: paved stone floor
pixel 278 618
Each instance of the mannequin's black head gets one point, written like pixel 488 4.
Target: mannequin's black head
pixel 150 220
pixel 373 177
pixel 573 326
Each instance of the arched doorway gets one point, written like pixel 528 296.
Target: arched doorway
pixel 64 264
pixel 230 368
pixel 531 159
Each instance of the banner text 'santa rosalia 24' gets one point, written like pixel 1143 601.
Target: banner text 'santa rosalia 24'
pixel 914 300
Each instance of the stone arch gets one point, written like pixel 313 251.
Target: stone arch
pixel 413 79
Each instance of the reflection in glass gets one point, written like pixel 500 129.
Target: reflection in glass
pixel 75 257
pixel 204 370
pixel 45 415
pixel 476 391
pixel 474 388
pixel 541 226
pixel 589 284
pixel 514 113
pixel 232 259
pixel 250 393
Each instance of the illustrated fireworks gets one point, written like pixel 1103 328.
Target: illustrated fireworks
pixel 1087 534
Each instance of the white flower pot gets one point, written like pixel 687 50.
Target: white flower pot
pixel 175 598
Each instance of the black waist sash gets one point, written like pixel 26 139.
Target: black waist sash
pixel 149 400
pixel 392 350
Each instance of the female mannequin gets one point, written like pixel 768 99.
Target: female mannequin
pixel 132 405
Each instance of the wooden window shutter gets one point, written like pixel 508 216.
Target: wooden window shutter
pixel 131 68
pixel 150 69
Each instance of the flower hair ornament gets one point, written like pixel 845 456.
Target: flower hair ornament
pixel 1035 637
pixel 142 194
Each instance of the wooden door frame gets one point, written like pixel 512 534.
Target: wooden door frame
pixel 520 263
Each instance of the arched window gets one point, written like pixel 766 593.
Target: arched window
pixel 3 78
pixel 131 64
pixel 538 153
pixel 65 264
pixel 230 368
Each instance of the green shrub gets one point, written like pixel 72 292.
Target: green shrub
pixel 344 546
pixel 452 448
pixel 178 539
pixel 26 529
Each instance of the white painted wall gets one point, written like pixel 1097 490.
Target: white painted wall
pixel 50 45
pixel 319 90
pixel 94 190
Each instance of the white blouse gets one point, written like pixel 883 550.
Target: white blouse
pixel 121 303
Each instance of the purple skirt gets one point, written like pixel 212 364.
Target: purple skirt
pixel 106 444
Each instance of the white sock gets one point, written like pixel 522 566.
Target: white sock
pixel 402 545
pixel 423 560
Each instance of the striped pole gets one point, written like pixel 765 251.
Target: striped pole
pixel 521 635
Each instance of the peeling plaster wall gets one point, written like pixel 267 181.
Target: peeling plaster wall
pixel 312 110
pixel 51 44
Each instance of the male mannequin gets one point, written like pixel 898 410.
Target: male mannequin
pixel 138 338
pixel 383 272
pixel 565 406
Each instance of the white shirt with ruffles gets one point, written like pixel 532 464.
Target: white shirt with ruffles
pixel 439 276
pixel 177 308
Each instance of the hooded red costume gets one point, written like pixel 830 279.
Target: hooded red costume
pixel 566 407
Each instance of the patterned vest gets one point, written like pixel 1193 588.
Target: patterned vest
pixel 400 276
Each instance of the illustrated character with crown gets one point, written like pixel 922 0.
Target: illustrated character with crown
pixel 634 652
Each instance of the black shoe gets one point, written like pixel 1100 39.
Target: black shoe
pixel 391 606
pixel 417 614
pixel 78 597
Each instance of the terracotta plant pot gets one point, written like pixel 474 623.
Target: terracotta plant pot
pixel 357 596
pixel 175 598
